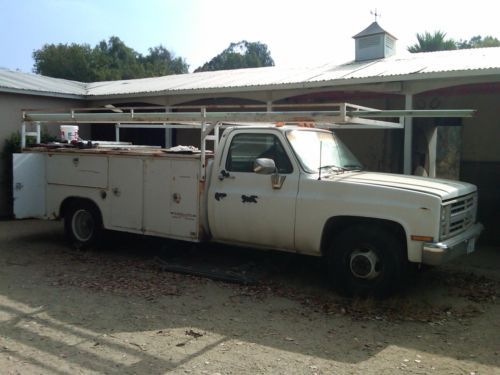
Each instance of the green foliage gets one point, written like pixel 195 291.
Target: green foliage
pixel 240 55
pixel 107 61
pixel 11 145
pixel 71 61
pixel 437 41
pixel 479 42
pixel 161 62
pixel 428 42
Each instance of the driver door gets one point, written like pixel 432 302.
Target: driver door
pixel 243 205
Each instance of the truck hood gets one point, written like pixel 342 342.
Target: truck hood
pixel 445 189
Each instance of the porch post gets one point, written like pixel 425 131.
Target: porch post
pixel 432 135
pixel 408 121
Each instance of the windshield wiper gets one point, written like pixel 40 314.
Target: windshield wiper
pixel 353 167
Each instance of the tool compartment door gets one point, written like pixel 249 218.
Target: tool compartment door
pixel 125 192
pixel 77 170
pixel 171 198
pixel 184 202
pixel 29 185
pixel 157 187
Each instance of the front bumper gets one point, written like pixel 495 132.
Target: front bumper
pixel 436 253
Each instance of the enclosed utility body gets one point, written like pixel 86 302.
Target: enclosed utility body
pixel 148 192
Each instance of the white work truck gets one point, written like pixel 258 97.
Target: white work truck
pixel 287 188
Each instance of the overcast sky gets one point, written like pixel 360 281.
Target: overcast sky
pixel 298 33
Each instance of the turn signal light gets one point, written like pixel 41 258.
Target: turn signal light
pixel 421 238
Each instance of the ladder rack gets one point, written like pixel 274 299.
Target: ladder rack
pixel 210 118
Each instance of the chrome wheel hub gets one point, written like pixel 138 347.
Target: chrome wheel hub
pixel 364 264
pixel 83 225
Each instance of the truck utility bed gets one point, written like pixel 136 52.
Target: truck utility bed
pixel 110 149
pixel 142 190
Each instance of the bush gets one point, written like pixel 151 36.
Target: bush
pixel 11 145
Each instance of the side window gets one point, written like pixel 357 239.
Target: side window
pixel 245 148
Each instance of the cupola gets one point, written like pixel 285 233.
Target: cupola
pixel 374 43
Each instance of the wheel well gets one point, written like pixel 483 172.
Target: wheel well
pixel 72 201
pixel 336 225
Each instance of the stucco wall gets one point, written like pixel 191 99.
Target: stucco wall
pixel 11 106
pixel 477 142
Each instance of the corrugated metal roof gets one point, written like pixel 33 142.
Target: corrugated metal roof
pixel 238 78
pixel 27 83
pixel 398 67
pixel 402 67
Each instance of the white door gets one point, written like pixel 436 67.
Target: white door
pixel 126 183
pixel 243 205
pixel 29 185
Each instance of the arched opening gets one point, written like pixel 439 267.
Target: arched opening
pixel 191 137
pixel 377 149
pixel 140 136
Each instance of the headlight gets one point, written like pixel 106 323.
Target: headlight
pixel 445 220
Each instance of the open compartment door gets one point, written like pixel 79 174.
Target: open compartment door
pixel 29 185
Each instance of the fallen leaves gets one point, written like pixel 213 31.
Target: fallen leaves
pixel 132 276
pixel 119 275
pixel 194 334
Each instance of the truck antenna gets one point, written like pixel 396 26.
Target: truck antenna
pixel 320 152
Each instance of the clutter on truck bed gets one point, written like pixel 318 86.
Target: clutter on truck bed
pixel 183 149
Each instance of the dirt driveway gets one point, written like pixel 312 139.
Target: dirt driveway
pixel 115 310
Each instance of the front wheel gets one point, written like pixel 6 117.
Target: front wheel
pixel 365 260
pixel 83 224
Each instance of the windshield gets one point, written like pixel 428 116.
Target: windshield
pixel 334 154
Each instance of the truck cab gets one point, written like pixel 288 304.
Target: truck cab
pixel 301 190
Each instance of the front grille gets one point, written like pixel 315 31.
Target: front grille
pixel 460 214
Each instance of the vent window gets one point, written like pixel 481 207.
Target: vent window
pixel 389 43
pixel 369 41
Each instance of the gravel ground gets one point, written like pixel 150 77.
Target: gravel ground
pixel 114 309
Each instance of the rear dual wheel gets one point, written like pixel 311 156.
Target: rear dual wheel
pixel 83 224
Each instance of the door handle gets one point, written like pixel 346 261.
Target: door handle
pixel 219 196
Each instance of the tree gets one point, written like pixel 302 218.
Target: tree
pixel 161 62
pixel 479 42
pixel 428 42
pixel 240 55
pixel 71 61
pixel 114 60
pixel 107 61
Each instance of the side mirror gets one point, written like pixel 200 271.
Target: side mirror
pixel 264 166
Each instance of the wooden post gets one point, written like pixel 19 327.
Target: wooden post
pixel 168 132
pixel 432 144
pixel 23 135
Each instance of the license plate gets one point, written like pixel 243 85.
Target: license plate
pixel 471 245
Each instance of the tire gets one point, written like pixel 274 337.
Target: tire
pixel 367 261
pixel 83 224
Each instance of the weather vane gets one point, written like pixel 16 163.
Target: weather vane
pixel 374 13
